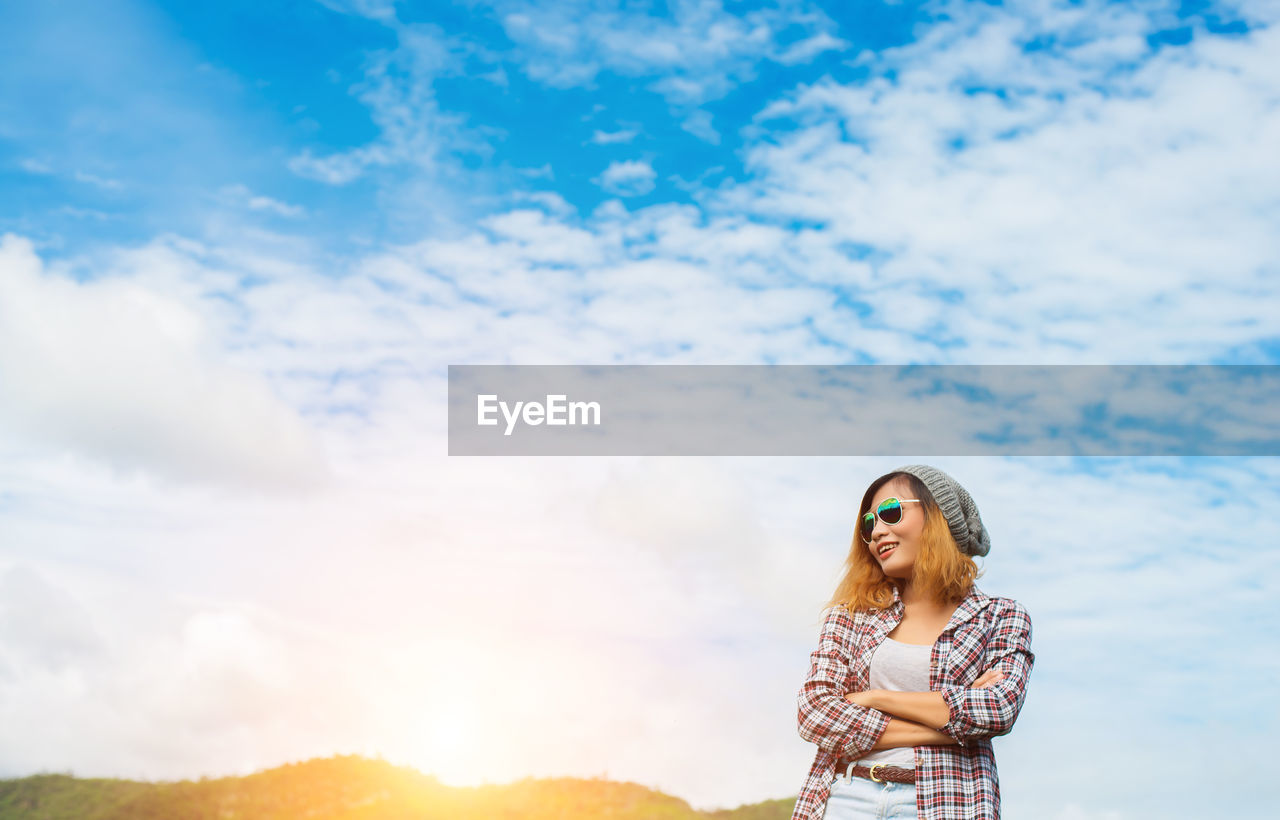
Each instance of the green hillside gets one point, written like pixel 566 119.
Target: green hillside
pixel 348 788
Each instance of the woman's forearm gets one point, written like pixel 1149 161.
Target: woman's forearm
pixel 927 708
pixel 901 733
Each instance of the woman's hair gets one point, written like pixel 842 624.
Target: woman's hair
pixel 941 570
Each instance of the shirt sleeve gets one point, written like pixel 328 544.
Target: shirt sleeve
pixel 984 713
pixel 825 717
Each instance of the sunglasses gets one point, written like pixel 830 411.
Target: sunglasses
pixel 889 511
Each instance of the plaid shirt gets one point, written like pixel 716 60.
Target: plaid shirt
pixel 951 781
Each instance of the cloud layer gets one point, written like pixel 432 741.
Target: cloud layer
pixel 118 370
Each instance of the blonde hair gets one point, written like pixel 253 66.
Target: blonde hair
pixel 941 571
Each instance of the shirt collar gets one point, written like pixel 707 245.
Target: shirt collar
pixel 973 603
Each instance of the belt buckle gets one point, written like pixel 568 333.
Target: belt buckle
pixel 873 772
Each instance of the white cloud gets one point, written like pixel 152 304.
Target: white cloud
pixel 699 124
pixel 338 169
pixel 948 224
pixel 41 625
pixel 120 372
pixel 1052 194
pixel 804 50
pixel 398 89
pixel 550 201
pixel 699 53
pixel 384 10
pixel 622 135
pixel 543 239
pixel 97 181
pixel 275 206
pixel 241 195
pixel 34 166
pixel 627 178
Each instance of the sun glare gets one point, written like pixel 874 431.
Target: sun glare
pixel 445 740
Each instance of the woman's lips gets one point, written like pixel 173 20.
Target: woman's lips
pixel 886 552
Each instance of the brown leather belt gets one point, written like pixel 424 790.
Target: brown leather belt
pixel 879 773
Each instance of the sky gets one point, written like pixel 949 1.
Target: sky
pixel 242 243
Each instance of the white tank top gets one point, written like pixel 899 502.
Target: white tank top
pixel 899 667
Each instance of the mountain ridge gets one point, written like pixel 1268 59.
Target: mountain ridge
pixel 350 787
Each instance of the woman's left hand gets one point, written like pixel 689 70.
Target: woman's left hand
pixel 865 698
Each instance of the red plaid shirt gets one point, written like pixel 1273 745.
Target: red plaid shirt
pixel 951 781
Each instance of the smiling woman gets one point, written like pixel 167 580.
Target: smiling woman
pixel 915 669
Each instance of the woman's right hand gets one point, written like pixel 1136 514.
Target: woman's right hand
pixel 988 678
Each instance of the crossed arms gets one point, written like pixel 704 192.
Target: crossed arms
pixel 915 718
pixel 852 723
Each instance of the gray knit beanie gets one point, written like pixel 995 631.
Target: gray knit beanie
pixel 956 505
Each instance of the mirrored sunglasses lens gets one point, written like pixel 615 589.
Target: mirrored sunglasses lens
pixel 868 524
pixel 891 511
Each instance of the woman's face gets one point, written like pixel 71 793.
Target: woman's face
pixel 896 547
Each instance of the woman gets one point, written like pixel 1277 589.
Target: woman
pixel 916 670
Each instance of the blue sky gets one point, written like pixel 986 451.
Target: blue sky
pixel 241 246
pixel 252 86
pixel 133 115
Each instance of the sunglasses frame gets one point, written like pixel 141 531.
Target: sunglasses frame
pixel 876 514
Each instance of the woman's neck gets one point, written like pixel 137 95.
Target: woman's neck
pixel 917 598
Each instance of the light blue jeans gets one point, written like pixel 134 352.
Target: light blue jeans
pixel 855 798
